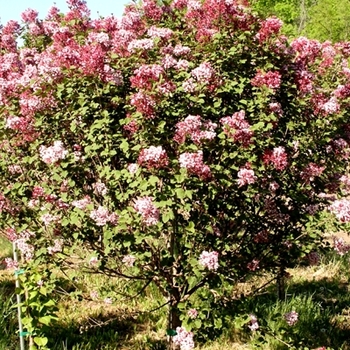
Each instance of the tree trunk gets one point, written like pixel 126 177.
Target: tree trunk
pixel 173 322
pixel 280 284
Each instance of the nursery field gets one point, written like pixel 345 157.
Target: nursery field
pixel 319 294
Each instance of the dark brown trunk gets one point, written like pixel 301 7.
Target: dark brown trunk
pixel 281 284
pixel 173 323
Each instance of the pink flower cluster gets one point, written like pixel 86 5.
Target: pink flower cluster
pixel 209 260
pixel 311 171
pixel 129 260
pixel 102 216
pixel 100 188
pixel 254 265
pixel 270 26
pixel 204 73
pixel 56 248
pixel 291 318
pixel 269 79
pixel 144 104
pixel 278 157
pixel 253 323
pixel 246 176
pixel 341 209
pixel 192 313
pixel 331 106
pixel 54 153
pixel 196 129
pixel 146 75
pixel 237 128
pixel 17 123
pixel 82 203
pixel 183 339
pixel 193 162
pixel 148 211
pixel 153 157
pixel 340 246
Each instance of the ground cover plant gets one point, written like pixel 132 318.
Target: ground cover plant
pixel 184 147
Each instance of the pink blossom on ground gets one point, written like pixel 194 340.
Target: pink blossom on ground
pixel 183 338
pixel 54 153
pixel 246 176
pixel 209 260
pixel 153 157
pixel 291 318
pixel 253 323
pixel 94 294
pixel 93 261
pixel 193 162
pixel 192 313
pixel 148 211
pixel 341 209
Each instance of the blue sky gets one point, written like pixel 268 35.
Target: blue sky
pixel 13 9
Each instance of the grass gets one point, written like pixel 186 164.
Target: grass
pixel 320 295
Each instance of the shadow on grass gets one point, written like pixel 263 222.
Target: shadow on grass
pixel 110 330
pixel 324 315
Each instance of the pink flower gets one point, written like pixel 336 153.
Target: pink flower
pixel 183 338
pixel 193 162
pixel 100 188
pixel 237 128
pixel 270 26
pixel 341 209
pixel 93 261
pixel 82 203
pixel 278 157
pixel 57 247
pixel 291 318
pixel 196 129
pixel 132 168
pixel 246 176
pixel 54 153
pixel 339 246
pixel 254 325
pixel 10 263
pixel 253 265
pixel 209 260
pixel 101 216
pixel 204 73
pixel 129 260
pixel 108 301
pixel 311 171
pixel 148 211
pixel 153 157
pixel 192 313
pixel 270 79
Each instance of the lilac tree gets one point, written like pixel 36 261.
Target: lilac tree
pixel 185 145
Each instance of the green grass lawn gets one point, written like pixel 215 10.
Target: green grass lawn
pixel 319 294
